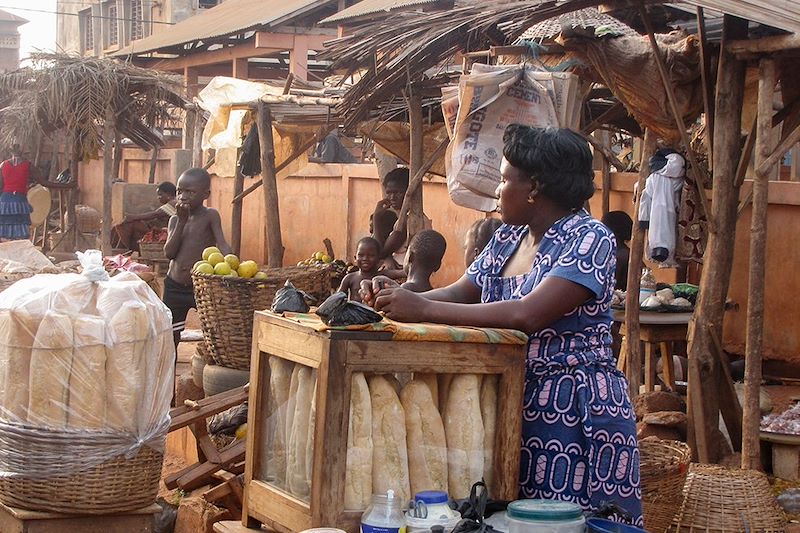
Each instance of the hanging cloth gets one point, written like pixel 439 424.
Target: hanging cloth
pixel 659 205
pixel 250 159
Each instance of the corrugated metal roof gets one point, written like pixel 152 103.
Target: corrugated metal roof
pixel 228 18
pixel 370 7
pixel 782 14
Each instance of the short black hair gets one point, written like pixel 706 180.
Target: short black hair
pixel 558 159
pixel 200 174
pixel 482 230
pixel 371 241
pixel 428 247
pixel 397 176
pixel 620 224
pixel 167 187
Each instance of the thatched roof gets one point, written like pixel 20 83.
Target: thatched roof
pixel 62 95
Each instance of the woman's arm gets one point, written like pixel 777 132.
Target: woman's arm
pixel 142 217
pixel 462 291
pixel 551 300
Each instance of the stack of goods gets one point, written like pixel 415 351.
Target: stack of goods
pixel 677 298
pixel 787 422
pixel 86 374
pixel 337 267
pixel 435 432
pixel 151 245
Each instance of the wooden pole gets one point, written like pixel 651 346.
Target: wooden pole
pixel 705 77
pixel 72 196
pixel 416 182
pixel 272 219
pixel 633 369
pixel 415 119
pixel 236 211
pixel 118 150
pixel 108 179
pixel 751 444
pixel 187 141
pixel 197 140
pixel 151 178
pixel 710 309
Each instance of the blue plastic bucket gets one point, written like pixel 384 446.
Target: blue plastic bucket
pixel 601 525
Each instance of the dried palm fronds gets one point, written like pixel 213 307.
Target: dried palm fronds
pixel 70 94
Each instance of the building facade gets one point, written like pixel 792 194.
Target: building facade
pixel 9 40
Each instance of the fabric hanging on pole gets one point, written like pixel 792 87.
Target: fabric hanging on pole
pixel 250 158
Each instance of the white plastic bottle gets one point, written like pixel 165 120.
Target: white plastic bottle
pixel 384 515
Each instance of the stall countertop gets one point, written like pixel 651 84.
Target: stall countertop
pixel 649 317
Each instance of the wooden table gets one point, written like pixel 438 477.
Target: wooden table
pixel 656 330
pixel 14 520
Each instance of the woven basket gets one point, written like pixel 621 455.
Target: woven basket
pixel 664 465
pixel 719 499
pixel 118 484
pixel 226 305
pixel 152 250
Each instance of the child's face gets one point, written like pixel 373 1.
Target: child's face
pixel 191 191
pixel 367 257
pixel 395 194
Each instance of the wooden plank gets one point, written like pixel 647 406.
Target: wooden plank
pixel 776 43
pixel 257 427
pixel 232 526
pixel 201 473
pixel 183 416
pixel 751 445
pixel 706 80
pixel 729 405
pixel 151 177
pixel 236 211
pixel 785 461
pixel 415 213
pixel 649 368
pixel 272 216
pixel 13 520
pixel 772 159
pixel 268 504
pixel 108 180
pixel 635 262
pixel 197 139
pixel 509 432
pixel 667 365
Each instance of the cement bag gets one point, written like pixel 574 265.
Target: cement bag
pixel 490 98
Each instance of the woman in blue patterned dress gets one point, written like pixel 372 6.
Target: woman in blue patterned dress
pixel 549 271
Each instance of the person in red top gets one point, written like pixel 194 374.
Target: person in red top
pixel 15 211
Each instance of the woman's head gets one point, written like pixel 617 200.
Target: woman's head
pixel 552 162
pixel 478 237
pixel 395 183
pixel 620 224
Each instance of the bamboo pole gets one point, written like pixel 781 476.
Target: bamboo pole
pixel 751 444
pixel 415 212
pixel 108 180
pixel 705 77
pixel 710 309
pixel 272 219
pixel 151 177
pixel 633 368
pixel 236 211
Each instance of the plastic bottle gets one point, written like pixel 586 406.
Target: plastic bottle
pixel 384 515
pixel 647 285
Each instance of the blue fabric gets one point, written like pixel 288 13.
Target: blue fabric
pixel 579 429
pixel 15 216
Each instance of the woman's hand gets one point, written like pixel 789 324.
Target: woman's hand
pixel 368 289
pixel 401 304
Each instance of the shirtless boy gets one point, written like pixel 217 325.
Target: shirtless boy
pixel 367 262
pixel 194 228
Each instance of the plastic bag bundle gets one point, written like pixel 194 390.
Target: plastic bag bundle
pixel 289 299
pixel 338 311
pixel 84 359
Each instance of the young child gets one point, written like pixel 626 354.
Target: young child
pixel 478 236
pixel 621 225
pixel 424 257
pixel 367 262
pixel 192 229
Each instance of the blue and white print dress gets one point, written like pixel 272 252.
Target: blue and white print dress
pixel 578 429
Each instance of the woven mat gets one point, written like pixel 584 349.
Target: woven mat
pixel 421 331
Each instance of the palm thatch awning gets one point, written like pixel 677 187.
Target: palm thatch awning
pixel 63 94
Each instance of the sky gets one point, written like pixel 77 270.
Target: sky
pixel 40 32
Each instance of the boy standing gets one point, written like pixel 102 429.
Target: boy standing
pixel 424 257
pixel 367 261
pixel 192 229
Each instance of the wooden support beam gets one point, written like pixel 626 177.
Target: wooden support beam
pixel 109 126
pixel 704 369
pixel 751 443
pixel 236 211
pixel 611 113
pixel 197 140
pixel 766 165
pixel 705 78
pixel 416 182
pixel 747 154
pixel 634 367
pixel 607 153
pixel 415 118
pixel 286 99
pixel 272 216
pixel 118 153
pixel 730 408
pixel 151 177
pixel 676 114
pixel 764 45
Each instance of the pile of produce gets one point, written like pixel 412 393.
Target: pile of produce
pixel 680 297
pixel 154 236
pixel 323 260
pixel 787 422
pixel 229 266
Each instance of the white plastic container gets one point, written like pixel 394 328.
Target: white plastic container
pixel 431 509
pixel 384 515
pixel 545 516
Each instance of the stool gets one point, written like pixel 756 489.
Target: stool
pixel 785 454
pixel 14 520
pixel 655 338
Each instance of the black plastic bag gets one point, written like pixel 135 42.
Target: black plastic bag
pixel 226 422
pixel 338 311
pixel 290 299
pixel 250 160
pixel 474 510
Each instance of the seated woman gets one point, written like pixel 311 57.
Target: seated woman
pixel 133 227
pixel 548 271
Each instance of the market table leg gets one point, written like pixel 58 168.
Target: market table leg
pixel 668 367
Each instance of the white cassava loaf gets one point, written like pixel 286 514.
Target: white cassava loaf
pixel 427 447
pixel 87 383
pixel 280 378
pixel 390 455
pixel 296 466
pixel 51 364
pixel 489 415
pixel 358 475
pixel 463 428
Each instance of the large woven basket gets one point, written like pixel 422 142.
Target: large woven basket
pixel 719 499
pixel 225 306
pixel 664 465
pixel 117 484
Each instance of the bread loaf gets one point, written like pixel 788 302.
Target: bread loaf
pixel 312 424
pixel 280 377
pixel 291 401
pixel 489 416
pixel 427 447
pixel 444 389
pixel 432 381
pixel 463 428
pixel 394 382
pixel 358 476
pixel 125 365
pixel 390 455
pixel 296 475
pixel 19 328
pixel 51 366
pixel 87 382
